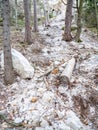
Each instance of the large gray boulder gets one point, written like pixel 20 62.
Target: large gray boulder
pixel 20 64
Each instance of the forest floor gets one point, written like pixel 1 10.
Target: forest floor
pixel 42 103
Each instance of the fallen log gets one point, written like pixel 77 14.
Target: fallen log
pixel 67 73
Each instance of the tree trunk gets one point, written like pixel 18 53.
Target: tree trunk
pixel 35 29
pixel 46 12
pixel 16 17
pixel 27 22
pixel 96 14
pixel 8 68
pixel 68 19
pixel 79 24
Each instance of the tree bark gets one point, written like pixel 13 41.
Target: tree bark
pixel 8 68
pixel 27 22
pixel 35 29
pixel 96 14
pixel 79 24
pixel 16 13
pixel 46 12
pixel 68 19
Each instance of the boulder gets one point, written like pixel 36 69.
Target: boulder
pixel 20 64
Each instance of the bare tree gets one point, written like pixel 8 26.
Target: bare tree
pixel 28 38
pixel 35 29
pixel 96 10
pixel 16 15
pixel 8 68
pixel 46 12
pixel 79 4
pixel 68 19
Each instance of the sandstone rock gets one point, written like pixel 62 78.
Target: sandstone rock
pixel 20 65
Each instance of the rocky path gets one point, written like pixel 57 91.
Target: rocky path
pixel 45 103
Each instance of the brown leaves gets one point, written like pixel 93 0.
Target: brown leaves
pixel 55 71
pixel 82 106
pixel 34 99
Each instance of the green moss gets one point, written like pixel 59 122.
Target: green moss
pixel 21 22
pixel 89 16
pixel 93 29
pixel 79 40
pixel 51 15
pixel 63 28
pixel 12 21
pixel 73 28
pixel 1 22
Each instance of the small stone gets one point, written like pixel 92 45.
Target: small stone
pixel 18 120
pixel 44 123
pixel 56 63
pixel 48 128
pixel 63 126
pixel 35 118
pixel 3 125
pixel 41 90
pixel 4 112
pixel 62 90
pixel 61 114
pixel 39 128
pixel 48 97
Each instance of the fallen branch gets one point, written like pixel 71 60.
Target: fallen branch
pixel 63 2
pixel 51 69
pixel 67 73
pixel 46 73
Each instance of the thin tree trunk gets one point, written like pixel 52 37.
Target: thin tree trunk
pixel 30 8
pixel 45 16
pixel 28 38
pixel 16 13
pixel 96 14
pixel 79 24
pixel 46 13
pixel 8 68
pixel 35 29
pixel 68 19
